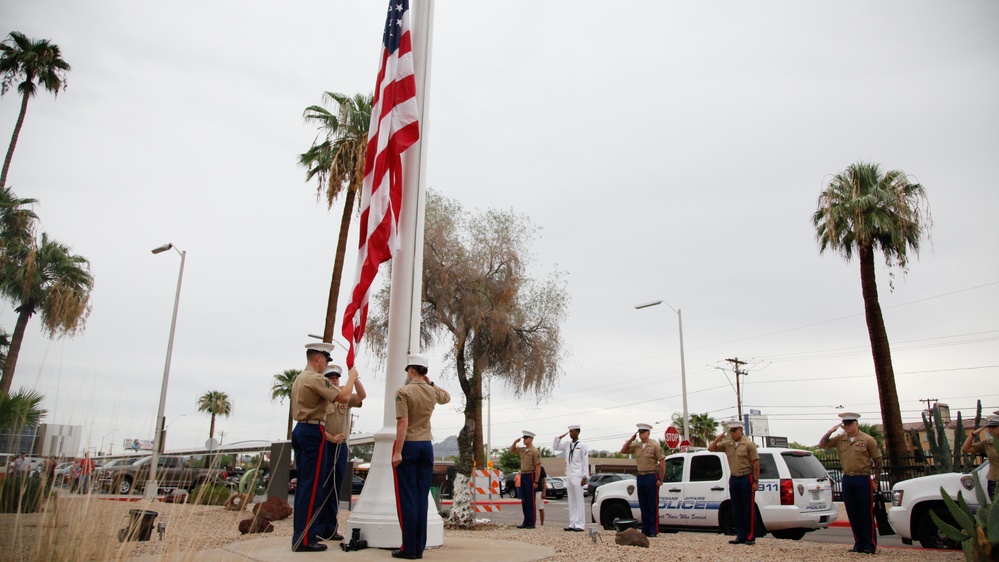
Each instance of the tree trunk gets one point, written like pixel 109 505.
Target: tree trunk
pixel 466 437
pixel 211 428
pixel 891 416
pixel 476 400
pixel 24 312
pixel 341 250
pixel 13 141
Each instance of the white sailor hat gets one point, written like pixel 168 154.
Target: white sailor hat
pixel 849 416
pixel 333 370
pixel 643 427
pixel 322 347
pixel 417 359
pixel 527 434
pixel 735 424
pixel 992 421
pixel 574 426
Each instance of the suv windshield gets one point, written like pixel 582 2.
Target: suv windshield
pixel 803 465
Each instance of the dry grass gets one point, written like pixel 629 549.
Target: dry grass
pixel 78 527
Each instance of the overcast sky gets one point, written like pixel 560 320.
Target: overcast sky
pixel 667 151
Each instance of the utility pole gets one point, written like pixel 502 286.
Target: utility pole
pixel 929 409
pixel 738 390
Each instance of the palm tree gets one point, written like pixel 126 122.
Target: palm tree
pixel 702 428
pixel 862 211
pixel 45 278
pixel 21 409
pixel 216 403
pixel 17 222
pixel 874 431
pixel 337 162
pixel 281 389
pixel 33 63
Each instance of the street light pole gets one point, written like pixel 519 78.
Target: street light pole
pixel 683 367
pixel 151 485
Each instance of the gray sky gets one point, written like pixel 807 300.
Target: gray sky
pixel 667 150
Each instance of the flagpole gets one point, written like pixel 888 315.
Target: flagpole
pixel 376 512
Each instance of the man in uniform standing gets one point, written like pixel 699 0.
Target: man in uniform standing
pixel 310 395
pixel 651 467
pixel 859 455
pixel 530 475
pixel 987 448
pixel 577 471
pixel 337 432
pixel 413 454
pixel 744 465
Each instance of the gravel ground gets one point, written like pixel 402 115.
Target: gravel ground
pixel 86 529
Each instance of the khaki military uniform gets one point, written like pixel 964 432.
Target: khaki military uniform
pixel 530 458
pixel 647 458
pixel 416 401
pixel 310 395
pixel 741 455
pixel 857 456
pixel 988 448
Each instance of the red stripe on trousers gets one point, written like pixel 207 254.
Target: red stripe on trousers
pixel 315 485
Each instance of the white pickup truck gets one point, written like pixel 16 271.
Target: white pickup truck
pixel 913 500
pixel 794 495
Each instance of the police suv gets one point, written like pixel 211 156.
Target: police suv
pixel 913 500
pixel 794 495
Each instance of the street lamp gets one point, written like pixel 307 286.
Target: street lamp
pixel 683 368
pixel 151 486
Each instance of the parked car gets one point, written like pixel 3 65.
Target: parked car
pixel 555 487
pixel 913 500
pixel 601 478
pixel 794 495
pixel 62 471
pixel 171 472
pixel 356 484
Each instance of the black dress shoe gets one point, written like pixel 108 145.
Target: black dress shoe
pixel 749 543
pixel 309 548
pixel 736 541
pixel 333 537
pixel 578 530
pixel 405 556
pixel 568 529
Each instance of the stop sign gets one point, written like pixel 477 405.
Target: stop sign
pixel 672 437
pixel 684 445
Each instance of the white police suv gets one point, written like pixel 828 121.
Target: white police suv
pixel 794 495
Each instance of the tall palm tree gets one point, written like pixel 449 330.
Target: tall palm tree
pixel 337 162
pixel 281 389
pixel 30 63
pixel 21 409
pixel 864 210
pixel 50 279
pixel 216 403
pixel 702 428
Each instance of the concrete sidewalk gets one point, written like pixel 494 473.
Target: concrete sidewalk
pixel 277 549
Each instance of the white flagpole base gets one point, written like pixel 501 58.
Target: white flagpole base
pixel 376 514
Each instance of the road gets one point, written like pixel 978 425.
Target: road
pixel 557 515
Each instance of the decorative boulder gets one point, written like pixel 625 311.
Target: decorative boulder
pixel 631 537
pixel 256 525
pixel 274 509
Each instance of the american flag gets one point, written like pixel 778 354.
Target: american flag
pixel 394 128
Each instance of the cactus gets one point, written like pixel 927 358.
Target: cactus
pixel 939 447
pixel 978 532
pixel 960 459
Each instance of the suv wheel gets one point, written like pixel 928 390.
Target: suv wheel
pixel 123 486
pixel 615 510
pixel 930 536
pixel 789 534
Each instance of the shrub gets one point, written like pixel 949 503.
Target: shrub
pixel 208 494
pixel 22 494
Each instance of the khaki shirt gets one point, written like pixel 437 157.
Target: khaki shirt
pixel 741 455
pixel 988 449
pixel 310 394
pixel 338 415
pixel 416 401
pixel 648 457
pixel 530 458
pixel 857 457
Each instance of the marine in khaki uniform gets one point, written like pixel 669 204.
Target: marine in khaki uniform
pixel 987 448
pixel 413 454
pixel 337 430
pixel 744 464
pixel 530 476
pixel 310 395
pixel 860 457
pixel 651 466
